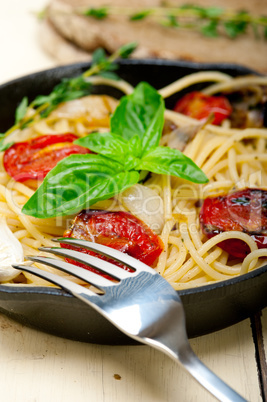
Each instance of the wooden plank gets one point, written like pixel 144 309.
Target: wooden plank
pixel 40 367
pixel 260 338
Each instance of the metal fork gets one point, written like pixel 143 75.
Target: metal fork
pixel 142 304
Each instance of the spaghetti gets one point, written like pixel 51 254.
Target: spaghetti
pixel 231 158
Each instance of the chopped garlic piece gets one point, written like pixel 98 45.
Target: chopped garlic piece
pixel 11 252
pixel 146 204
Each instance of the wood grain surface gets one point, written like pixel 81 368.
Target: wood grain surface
pixel 41 367
pixel 37 367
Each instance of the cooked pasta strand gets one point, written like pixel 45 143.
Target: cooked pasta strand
pixel 231 158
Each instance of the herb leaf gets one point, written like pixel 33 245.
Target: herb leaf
pixel 21 110
pixel 236 27
pixel 115 147
pixel 205 19
pixel 165 160
pixel 68 89
pixel 210 29
pixel 99 56
pixel 142 114
pixel 111 145
pixel 140 15
pixel 212 12
pixel 109 75
pixel 170 21
pixel 127 49
pixel 77 182
pixel 98 13
pixel 5 146
pixel 99 60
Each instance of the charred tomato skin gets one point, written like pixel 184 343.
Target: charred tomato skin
pixel 200 106
pixel 244 210
pixel 33 159
pixel 119 230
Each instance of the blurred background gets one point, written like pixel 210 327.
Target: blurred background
pixel 20 50
pixel 38 34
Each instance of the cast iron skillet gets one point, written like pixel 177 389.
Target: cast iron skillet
pixel 208 308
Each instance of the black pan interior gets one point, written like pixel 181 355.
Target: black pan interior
pixel 208 308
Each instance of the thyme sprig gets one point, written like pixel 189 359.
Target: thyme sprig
pixel 68 89
pixel 210 21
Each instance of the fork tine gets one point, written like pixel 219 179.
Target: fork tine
pixel 102 265
pixel 81 273
pixel 71 287
pixel 107 251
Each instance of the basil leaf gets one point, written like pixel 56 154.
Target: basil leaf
pixel 21 110
pixel 164 160
pixel 107 144
pixel 113 146
pixel 78 182
pixel 142 114
pixel 135 146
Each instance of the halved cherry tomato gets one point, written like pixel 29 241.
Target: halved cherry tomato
pixel 200 106
pixel 119 230
pixel 33 159
pixel 244 210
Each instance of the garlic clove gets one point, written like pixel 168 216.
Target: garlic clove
pixel 146 204
pixel 11 252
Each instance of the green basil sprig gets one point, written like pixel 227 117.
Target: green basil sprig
pixel 75 183
pixel 119 158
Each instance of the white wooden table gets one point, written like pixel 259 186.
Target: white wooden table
pixel 37 367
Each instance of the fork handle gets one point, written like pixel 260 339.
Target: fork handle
pixel 207 378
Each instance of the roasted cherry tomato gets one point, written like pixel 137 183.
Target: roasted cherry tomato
pixel 119 230
pixel 200 106
pixel 33 159
pixel 244 210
